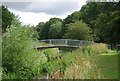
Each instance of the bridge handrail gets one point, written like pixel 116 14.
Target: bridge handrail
pixel 66 42
pixel 62 39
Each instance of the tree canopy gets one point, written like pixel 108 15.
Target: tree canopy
pixel 7 18
pixel 50 29
pixel 101 18
pixel 78 30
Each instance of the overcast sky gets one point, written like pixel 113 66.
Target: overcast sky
pixel 34 12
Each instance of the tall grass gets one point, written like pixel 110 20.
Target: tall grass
pixel 98 48
pixel 79 64
pixel 51 53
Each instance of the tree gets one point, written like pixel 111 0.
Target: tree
pixel 7 18
pixel 70 19
pixel 98 16
pixel 39 29
pixel 107 27
pixel 46 29
pixel 78 30
pixel 90 11
pixel 55 30
pixel 116 26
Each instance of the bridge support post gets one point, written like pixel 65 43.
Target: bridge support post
pixel 79 43
pixel 66 41
pixel 50 41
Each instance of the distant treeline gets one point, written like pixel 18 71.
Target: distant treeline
pixel 98 21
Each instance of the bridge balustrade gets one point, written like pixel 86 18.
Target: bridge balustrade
pixel 67 42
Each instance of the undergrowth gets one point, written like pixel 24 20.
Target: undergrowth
pixel 78 64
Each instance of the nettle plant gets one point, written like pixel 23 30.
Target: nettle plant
pixel 18 54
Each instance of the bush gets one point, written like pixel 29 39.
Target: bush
pixel 98 48
pixel 19 57
pixel 51 53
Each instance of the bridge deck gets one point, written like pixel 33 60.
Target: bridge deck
pixel 56 46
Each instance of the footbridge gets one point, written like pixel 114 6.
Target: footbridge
pixel 61 43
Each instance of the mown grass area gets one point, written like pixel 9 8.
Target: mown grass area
pixel 109 65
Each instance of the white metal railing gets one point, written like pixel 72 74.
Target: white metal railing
pixel 66 42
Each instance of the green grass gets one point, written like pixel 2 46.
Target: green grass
pixel 77 64
pixel 109 66
pixel 81 63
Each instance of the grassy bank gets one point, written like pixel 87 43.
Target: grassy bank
pixel 83 63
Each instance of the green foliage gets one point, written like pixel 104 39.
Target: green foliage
pixel 0 19
pixel 19 57
pixel 67 59
pixel 106 25
pixel 1 73
pixel 84 65
pixel 51 53
pixel 39 29
pixel 70 19
pixel 98 48
pixel 50 29
pixel 78 64
pixel 78 30
pixel 20 60
pixel 100 18
pixel 103 18
pixel 52 66
pixel 55 30
pixel 0 59
pixel 89 12
pixel 7 18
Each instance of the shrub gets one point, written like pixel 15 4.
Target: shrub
pixel 51 53
pixel 98 48
pixel 19 57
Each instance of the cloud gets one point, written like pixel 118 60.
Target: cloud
pixel 17 5
pixel 41 11
pixel 53 8
pixel 34 18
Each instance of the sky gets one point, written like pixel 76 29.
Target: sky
pixel 41 11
